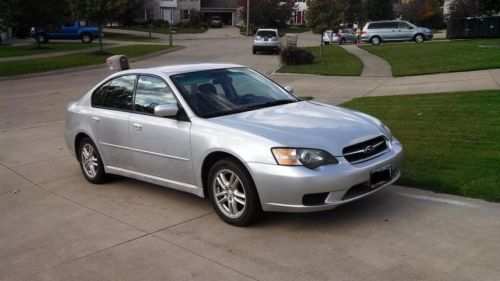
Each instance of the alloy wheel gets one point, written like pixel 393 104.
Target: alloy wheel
pixel 89 160
pixel 229 193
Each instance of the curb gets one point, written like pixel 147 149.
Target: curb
pixel 88 67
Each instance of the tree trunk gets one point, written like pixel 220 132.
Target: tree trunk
pixel 321 45
pixel 100 39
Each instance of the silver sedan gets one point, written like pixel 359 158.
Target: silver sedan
pixel 228 133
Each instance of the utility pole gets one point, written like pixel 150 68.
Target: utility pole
pixel 248 17
pixel 170 34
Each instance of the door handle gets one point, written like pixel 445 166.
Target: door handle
pixel 137 127
pixel 96 119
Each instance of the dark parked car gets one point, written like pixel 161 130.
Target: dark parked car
pixel 69 30
pixel 216 22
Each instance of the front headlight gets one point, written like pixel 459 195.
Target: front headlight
pixel 309 158
pixel 387 131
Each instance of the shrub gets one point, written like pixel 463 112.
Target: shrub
pixel 296 56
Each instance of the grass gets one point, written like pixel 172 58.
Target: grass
pixel 163 30
pixel 73 60
pixel 451 141
pixel 438 57
pixel 128 37
pixel 26 50
pixel 335 61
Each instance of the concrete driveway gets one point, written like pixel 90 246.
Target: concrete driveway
pixel 56 226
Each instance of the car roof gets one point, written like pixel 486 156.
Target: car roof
pixel 267 29
pixel 386 21
pixel 183 68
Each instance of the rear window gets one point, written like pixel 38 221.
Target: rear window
pixel 266 33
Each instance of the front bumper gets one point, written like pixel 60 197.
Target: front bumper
pixel 266 46
pixel 282 188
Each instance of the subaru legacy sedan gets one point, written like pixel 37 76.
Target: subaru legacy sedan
pixel 230 134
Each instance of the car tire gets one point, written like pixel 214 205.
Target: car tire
pixel 86 38
pixel 419 38
pixel 42 38
pixel 326 42
pixel 342 41
pixel 90 161
pixel 375 40
pixel 232 193
pixel 254 52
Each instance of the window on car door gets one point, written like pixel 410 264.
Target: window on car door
pixel 117 93
pixel 152 91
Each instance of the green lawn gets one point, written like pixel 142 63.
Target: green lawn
pixel 128 37
pixel 438 57
pixel 74 60
pixel 335 61
pixel 163 30
pixel 26 50
pixel 451 141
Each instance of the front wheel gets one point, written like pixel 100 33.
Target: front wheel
pixel 419 38
pixel 90 161
pixel 86 38
pixel 232 193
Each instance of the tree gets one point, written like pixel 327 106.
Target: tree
pixel 353 11
pixel 473 8
pixel 379 9
pixel 267 13
pixel 324 14
pixel 99 11
pixel 423 12
pixel 131 12
pixel 24 14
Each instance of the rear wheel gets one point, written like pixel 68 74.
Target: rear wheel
pixel 375 40
pixel 419 38
pixel 90 161
pixel 232 193
pixel 42 38
pixel 342 41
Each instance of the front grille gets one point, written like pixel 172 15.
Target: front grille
pixel 365 150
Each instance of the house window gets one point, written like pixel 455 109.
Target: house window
pixel 185 14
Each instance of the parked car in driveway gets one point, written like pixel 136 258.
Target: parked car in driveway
pixel 266 40
pixel 70 30
pixel 377 32
pixel 216 21
pixel 228 133
pixel 341 37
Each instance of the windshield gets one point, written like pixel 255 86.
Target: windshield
pixel 219 92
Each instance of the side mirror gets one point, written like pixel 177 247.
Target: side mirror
pixel 289 89
pixel 166 110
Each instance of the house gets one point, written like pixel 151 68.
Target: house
pixel 175 11
pixel 299 13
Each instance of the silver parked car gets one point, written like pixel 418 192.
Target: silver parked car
pixel 228 133
pixel 343 36
pixel 266 40
pixel 377 32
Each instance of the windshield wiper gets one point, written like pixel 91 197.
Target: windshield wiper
pixel 270 103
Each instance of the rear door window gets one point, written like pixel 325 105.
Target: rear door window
pixel 115 94
pixel 266 33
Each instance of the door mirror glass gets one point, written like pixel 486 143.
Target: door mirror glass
pixel 289 89
pixel 166 110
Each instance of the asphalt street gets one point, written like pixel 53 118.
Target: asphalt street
pixel 54 225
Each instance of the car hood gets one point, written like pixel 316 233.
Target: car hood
pixel 306 124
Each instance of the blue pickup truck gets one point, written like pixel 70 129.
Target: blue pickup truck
pixel 69 30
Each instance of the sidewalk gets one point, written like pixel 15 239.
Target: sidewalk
pixel 373 66
pixel 339 89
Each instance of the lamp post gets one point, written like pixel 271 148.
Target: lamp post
pixel 248 17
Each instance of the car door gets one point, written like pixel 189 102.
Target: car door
pixel 405 31
pixel 349 34
pixel 389 31
pixel 109 116
pixel 161 146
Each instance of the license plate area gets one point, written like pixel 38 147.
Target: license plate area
pixel 380 176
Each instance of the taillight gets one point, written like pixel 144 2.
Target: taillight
pixel 364 32
pixel 258 37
